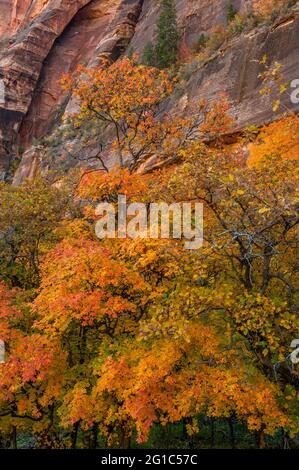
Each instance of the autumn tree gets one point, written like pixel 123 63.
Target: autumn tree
pixel 87 299
pixel 130 389
pixel 251 229
pixel 120 336
pixel 29 215
pixel 125 97
pixel 30 377
pixel 126 100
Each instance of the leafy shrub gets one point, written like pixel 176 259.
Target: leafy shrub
pixel 217 38
pixel 267 10
pixel 237 25
pixel 200 43
pixel 231 13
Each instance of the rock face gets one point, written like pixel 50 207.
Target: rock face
pixel 61 35
pixel 21 64
pixel 235 71
pixel 42 39
pixel 105 28
pixel 23 12
pixel 87 28
pixel 194 18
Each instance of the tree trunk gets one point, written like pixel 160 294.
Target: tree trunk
pixel 94 440
pixel 231 432
pixel 74 434
pixel 212 432
pixel 13 438
pixel 125 439
pixel 261 439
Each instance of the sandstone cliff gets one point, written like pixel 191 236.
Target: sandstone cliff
pixel 42 39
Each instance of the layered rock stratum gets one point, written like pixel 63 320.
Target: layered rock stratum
pixel 40 40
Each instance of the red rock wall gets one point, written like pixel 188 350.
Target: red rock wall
pixel 42 39
pixel 61 34
pixel 194 18
pixel 75 45
pixel 16 14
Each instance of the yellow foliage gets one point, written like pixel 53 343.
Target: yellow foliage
pixel 279 139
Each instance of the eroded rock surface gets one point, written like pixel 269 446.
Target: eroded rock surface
pixel 21 64
pixel 62 34
pixel 42 39
pixel 75 45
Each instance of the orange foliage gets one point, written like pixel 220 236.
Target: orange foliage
pixel 265 8
pixel 279 139
pixel 101 186
pixel 83 284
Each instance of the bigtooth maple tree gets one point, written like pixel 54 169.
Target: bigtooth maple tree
pixel 125 101
pixel 31 376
